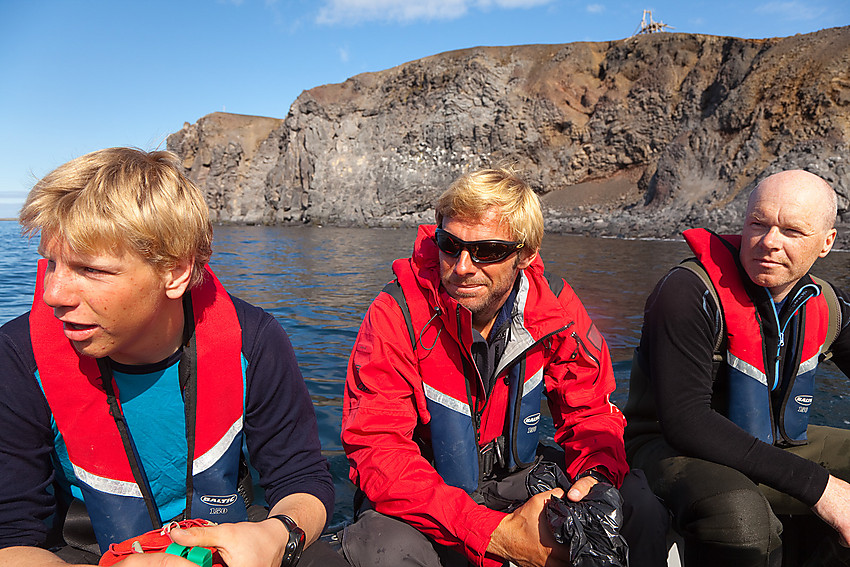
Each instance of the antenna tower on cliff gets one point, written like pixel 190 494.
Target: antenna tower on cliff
pixel 650 26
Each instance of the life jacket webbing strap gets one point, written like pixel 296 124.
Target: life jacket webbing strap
pixel 834 307
pixel 129 448
pixel 394 290
pixel 694 266
pixel 187 371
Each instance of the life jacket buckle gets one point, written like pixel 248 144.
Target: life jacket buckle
pixel 491 458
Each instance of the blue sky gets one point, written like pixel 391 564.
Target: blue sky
pixel 82 75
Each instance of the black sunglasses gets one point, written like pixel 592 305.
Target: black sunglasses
pixel 481 251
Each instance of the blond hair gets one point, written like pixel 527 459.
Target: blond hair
pixel 474 193
pixel 123 199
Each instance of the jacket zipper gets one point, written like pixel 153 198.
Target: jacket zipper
pixel 780 327
pixel 578 340
pixel 472 399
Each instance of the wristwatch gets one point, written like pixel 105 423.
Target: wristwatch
pixel 594 474
pixel 295 545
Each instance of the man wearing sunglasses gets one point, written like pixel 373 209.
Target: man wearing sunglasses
pixel 443 397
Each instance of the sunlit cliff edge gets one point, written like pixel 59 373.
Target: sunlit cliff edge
pixel 638 137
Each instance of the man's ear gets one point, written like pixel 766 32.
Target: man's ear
pixel 177 279
pixel 525 261
pixel 828 242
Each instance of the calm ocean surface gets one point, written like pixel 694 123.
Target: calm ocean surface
pixel 318 282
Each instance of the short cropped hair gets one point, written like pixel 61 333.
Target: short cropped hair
pixel 125 200
pixel 471 195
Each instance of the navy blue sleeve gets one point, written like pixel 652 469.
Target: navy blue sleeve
pixel 26 442
pixel 280 422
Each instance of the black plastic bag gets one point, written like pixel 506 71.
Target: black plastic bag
pixel 545 475
pixel 591 527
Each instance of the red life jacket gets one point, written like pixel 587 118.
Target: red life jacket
pixel 752 365
pixel 446 373
pixel 116 494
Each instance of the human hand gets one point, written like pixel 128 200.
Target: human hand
pixel 834 508
pixel 244 544
pixel 154 560
pixel 580 488
pixel 524 536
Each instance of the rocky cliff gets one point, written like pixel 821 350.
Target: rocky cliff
pixel 640 137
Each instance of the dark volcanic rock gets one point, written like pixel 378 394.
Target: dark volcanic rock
pixel 639 137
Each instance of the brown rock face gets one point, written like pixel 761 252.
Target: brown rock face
pixel 641 137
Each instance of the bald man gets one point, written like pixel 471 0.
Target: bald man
pixel 723 380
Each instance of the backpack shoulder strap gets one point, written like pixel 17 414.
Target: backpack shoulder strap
pixel 394 290
pixel 694 266
pixel 834 308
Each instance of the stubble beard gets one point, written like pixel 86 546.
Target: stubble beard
pixel 493 301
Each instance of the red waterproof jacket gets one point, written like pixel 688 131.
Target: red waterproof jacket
pixel 385 408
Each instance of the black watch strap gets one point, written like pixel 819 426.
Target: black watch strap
pixel 295 545
pixel 594 474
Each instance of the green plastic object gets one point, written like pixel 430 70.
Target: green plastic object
pixel 177 549
pixel 200 556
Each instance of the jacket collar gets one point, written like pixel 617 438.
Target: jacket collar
pixel 539 310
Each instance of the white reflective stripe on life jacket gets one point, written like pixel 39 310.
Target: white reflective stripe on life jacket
pixel 520 337
pixel 808 365
pixel 445 400
pixel 211 457
pixel 746 368
pixel 107 485
pixel 532 382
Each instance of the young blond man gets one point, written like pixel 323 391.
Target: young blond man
pixel 135 380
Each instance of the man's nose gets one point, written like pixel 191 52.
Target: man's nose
pixel 58 288
pixel 771 238
pixel 464 264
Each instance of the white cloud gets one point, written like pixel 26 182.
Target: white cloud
pixel 343 54
pixel 405 11
pixel 511 3
pixel 790 10
pixel 595 8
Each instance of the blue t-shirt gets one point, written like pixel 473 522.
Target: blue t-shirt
pixel 153 407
